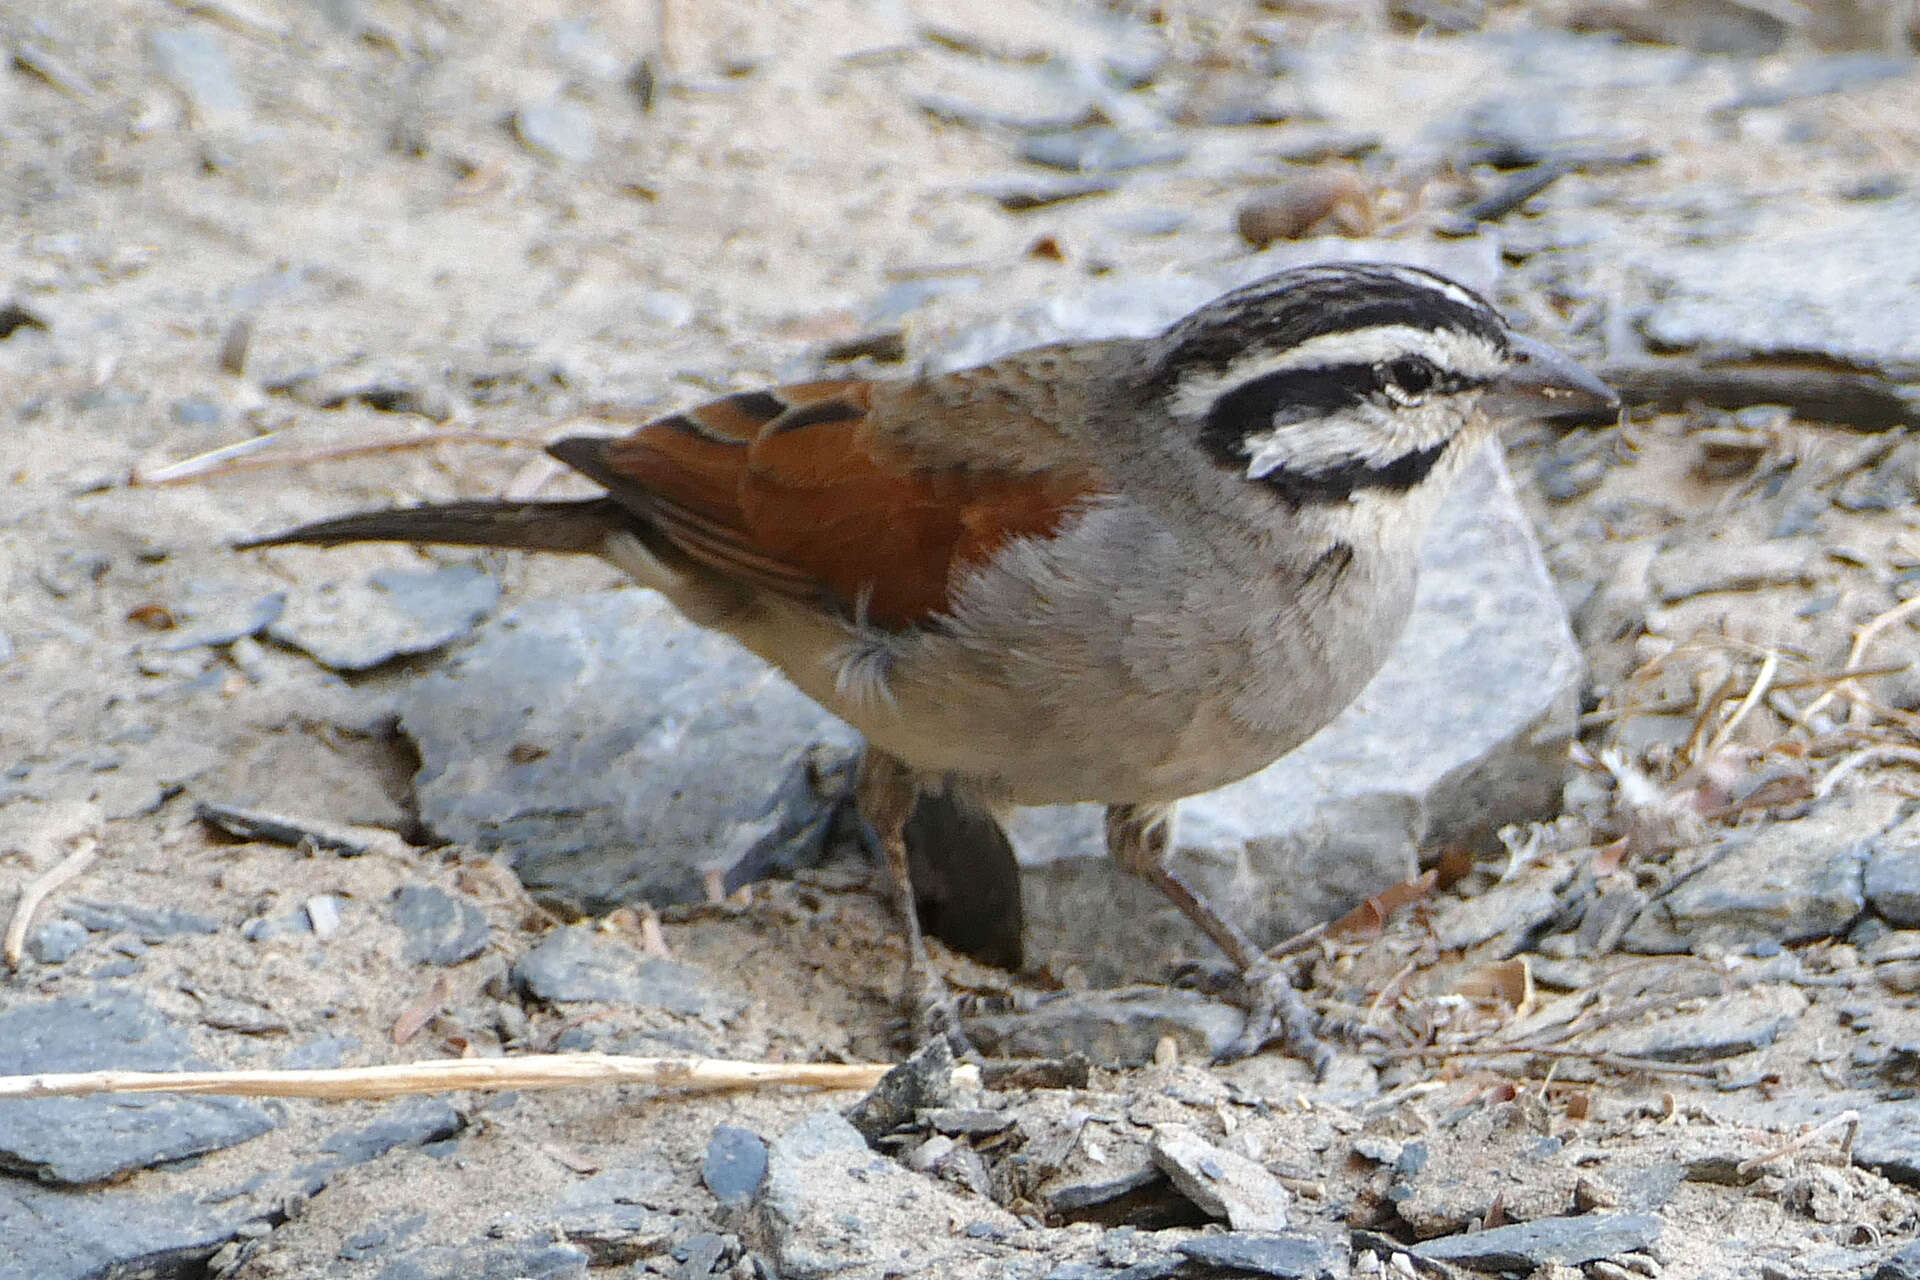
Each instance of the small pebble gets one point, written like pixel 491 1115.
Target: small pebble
pixel 1302 204
pixel 55 941
pixel 323 914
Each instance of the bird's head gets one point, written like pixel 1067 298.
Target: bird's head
pixel 1327 383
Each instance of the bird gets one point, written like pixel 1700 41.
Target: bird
pixel 1123 570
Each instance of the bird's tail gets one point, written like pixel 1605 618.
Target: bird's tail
pixel 580 525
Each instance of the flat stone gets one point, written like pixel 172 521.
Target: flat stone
pixel 193 61
pixel 1526 1245
pixel 1463 731
pixel 1789 882
pixel 57 1233
pixel 1844 285
pixel 56 941
pixel 1704 26
pixel 832 1207
pixel 561 130
pixel 735 1164
pixel 1904 1265
pixel 76 1141
pixel 149 924
pixel 441 929
pixel 1893 874
pixel 143 1228
pixel 1119 1028
pixel 699 1255
pixel 1889 1141
pixel 610 1215
pixel 1226 1185
pixel 393 613
pixel 1744 1022
pixel 575 964
pixel 1289 1255
pixel 1099 149
pixel 489 1260
pixel 408 1122
pixel 213 613
pixel 1693 570
pixel 617 753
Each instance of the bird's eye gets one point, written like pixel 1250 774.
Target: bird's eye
pixel 1408 378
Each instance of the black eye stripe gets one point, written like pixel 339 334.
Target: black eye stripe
pixel 1296 395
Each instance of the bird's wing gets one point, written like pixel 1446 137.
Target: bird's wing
pixel 871 496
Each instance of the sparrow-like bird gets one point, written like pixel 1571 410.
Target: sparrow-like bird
pixel 1122 571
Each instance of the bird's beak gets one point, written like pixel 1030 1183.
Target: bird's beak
pixel 1545 384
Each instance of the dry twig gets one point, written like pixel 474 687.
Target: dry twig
pixel 539 1071
pixel 85 842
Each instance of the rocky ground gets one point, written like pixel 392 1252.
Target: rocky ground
pixel 1650 1014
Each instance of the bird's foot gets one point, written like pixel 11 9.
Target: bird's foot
pixel 932 1010
pixel 1277 1015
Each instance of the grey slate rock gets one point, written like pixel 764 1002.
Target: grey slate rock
pixel 382 1237
pixel 408 1122
pixel 1110 1027
pixel 54 1233
pixel 1893 875
pixel 1889 1141
pixel 1526 1245
pixel 56 941
pixel 151 924
pixel 394 613
pixel 833 1207
pixel 1284 1254
pixel 219 613
pixel 490 1261
pixel 1099 149
pixel 1904 1265
pixel 575 964
pixel 441 929
pixel 698 1255
pixel 618 753
pixel 1744 1022
pixel 560 129
pixel 75 1141
pixel 735 1164
pixel 1226 1185
pixel 1845 286
pixel 60 1233
pixel 192 61
pixel 924 1080
pixel 1790 882
pixel 610 1215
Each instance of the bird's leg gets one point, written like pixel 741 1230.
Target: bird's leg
pixel 1140 839
pixel 885 796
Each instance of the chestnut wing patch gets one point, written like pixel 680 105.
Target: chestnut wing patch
pixel 795 491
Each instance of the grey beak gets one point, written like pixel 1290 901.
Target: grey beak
pixel 1545 384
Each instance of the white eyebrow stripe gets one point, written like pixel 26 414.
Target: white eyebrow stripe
pixel 1451 350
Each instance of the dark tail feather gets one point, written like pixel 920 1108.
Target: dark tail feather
pixel 965 878
pixel 579 525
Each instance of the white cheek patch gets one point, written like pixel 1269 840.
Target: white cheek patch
pixel 1370 435
pixel 1459 354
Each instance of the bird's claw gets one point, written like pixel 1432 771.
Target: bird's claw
pixel 933 1011
pixel 1277 1015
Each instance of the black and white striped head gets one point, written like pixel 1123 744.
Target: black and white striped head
pixel 1327 382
